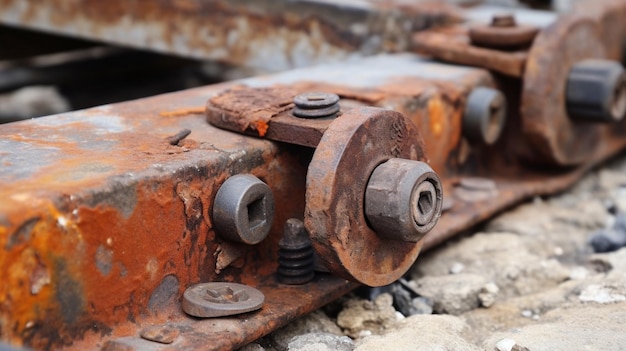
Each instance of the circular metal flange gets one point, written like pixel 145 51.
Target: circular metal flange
pixel 484 115
pixel 403 199
pixel 351 148
pixel 609 15
pixel 219 299
pixel 553 137
pixel 243 209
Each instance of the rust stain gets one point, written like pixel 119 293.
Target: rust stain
pixel 183 112
pixel 437 116
pixel 245 108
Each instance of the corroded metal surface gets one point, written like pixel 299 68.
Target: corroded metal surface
pixel 104 223
pixel 267 34
pixel 553 136
pixel 453 45
pixel 609 15
pixel 432 95
pixel 338 174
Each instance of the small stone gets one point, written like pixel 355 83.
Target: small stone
pixel 363 333
pixel 488 295
pixel 402 299
pixel 612 238
pixel 252 347
pixel 399 316
pixel 320 342
pixel 457 268
pixel 361 314
pixel 452 294
pixel 527 313
pixel 558 251
pixel 602 294
pixel 505 345
pixel 315 322
pixel 578 273
pixel 421 305
pixel 424 332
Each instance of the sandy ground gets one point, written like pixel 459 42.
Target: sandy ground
pixel 526 280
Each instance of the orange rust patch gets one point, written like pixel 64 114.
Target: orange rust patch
pixel 261 127
pixel 183 112
pixel 437 116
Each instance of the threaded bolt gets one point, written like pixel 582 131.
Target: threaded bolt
pixel 295 255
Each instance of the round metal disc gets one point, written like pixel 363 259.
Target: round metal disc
pixel 609 15
pixel 219 299
pixel 553 137
pixel 354 144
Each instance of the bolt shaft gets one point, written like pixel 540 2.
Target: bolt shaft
pixel 296 260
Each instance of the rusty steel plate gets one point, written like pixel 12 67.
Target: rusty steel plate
pixel 453 45
pixel 104 223
pixel 431 94
pixel 552 135
pixel 350 149
pixel 271 35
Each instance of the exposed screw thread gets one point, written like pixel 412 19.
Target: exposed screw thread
pixel 295 255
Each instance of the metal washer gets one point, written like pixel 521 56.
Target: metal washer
pixel 197 302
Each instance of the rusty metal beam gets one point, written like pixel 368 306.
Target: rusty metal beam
pixel 104 223
pixel 270 35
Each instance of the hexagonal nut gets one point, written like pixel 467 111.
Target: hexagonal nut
pixel 403 199
pixel 596 91
pixel 243 209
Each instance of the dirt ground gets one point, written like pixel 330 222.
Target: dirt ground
pixel 529 279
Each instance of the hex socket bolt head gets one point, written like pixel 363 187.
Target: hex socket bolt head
pixel 596 91
pixel 243 209
pixel 403 199
pixel 484 115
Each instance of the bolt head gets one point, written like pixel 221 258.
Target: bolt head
pixel 243 209
pixel 596 91
pixel 484 116
pixel 403 199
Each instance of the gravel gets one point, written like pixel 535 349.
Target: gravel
pixel 534 278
